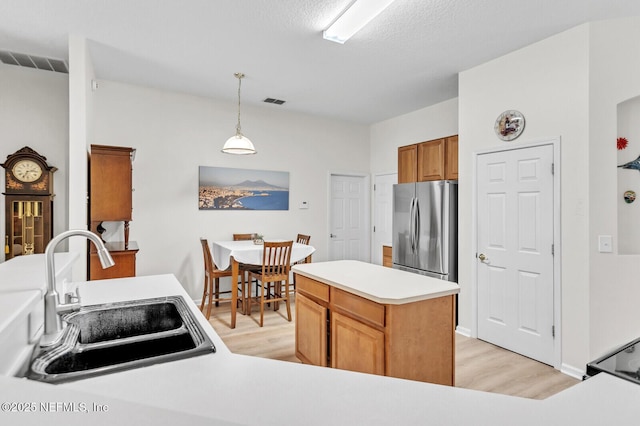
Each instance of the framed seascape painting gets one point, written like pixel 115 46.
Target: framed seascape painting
pixel 223 188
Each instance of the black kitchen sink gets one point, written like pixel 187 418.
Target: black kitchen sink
pixel 102 339
pixel 623 362
pixel 138 319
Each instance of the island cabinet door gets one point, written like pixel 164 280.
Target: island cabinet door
pixel 311 331
pixel 356 346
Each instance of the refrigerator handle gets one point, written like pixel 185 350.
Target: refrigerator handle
pixel 416 227
pixel 411 224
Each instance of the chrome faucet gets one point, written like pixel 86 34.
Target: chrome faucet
pixel 52 306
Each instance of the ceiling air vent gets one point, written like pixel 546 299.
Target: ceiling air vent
pixel 31 61
pixel 274 101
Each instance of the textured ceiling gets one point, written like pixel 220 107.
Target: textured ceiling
pixel 406 59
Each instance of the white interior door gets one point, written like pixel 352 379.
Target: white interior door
pixel 348 223
pixel 515 275
pixel 382 214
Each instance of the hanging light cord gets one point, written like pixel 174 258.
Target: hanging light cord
pixel 239 76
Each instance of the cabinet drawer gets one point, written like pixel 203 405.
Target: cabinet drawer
pixel 358 307
pixel 312 288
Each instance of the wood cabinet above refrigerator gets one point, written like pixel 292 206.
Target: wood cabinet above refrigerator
pixel 431 160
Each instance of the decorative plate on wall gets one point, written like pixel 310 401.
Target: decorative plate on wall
pixel 509 125
pixel 629 197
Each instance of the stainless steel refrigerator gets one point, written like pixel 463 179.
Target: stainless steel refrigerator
pixel 425 228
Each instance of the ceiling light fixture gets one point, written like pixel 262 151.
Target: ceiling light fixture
pixel 354 18
pixel 238 143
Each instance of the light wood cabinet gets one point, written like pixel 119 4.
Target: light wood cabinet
pixel 356 346
pixel 412 341
pixel 311 344
pixel 431 160
pixel 407 161
pixel 111 182
pixel 125 262
pixel 451 161
pixel 110 200
pixel 387 256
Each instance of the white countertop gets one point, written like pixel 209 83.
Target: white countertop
pixel 15 304
pixel 225 388
pixel 22 287
pixel 377 283
pixel 28 272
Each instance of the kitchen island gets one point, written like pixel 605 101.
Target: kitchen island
pixel 226 388
pixel 363 317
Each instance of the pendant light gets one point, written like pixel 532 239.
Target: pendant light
pixel 238 143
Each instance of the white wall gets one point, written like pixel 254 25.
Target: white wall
pixel 548 83
pixel 175 133
pixel 34 112
pixel 80 127
pixel 425 124
pixel 615 287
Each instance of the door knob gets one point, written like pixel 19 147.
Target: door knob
pixel 482 257
pixel 332 235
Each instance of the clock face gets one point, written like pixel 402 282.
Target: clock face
pixel 27 171
pixel 509 125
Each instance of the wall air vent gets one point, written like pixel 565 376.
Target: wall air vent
pixel 274 101
pixel 31 61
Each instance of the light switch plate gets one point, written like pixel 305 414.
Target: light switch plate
pixel 304 205
pixel 605 244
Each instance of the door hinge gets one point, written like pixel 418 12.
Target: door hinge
pixel 374 186
pixel 553 249
pixel 553 168
pixel 553 331
pixel 374 229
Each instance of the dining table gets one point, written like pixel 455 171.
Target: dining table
pixel 232 253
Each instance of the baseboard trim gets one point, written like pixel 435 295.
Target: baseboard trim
pixel 463 331
pixel 569 370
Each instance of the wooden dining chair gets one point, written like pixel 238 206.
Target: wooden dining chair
pixel 273 277
pixel 242 237
pixel 244 268
pixel 302 239
pixel 212 277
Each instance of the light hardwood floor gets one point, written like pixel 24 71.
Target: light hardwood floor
pixel 479 365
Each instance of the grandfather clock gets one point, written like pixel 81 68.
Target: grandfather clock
pixel 28 203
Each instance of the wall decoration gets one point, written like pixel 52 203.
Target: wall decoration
pixel 509 125
pixel 629 197
pixel 222 188
pixel 633 165
pixel 622 143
